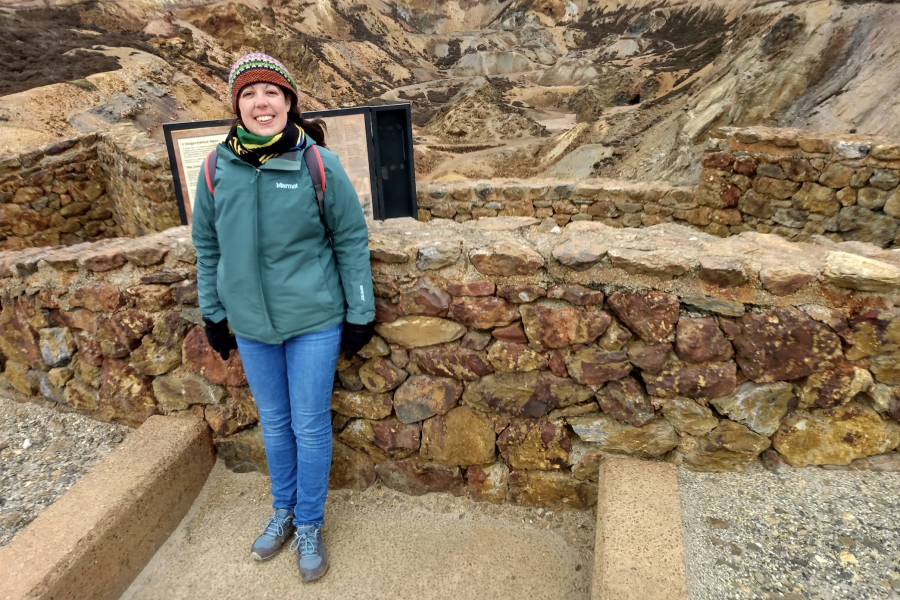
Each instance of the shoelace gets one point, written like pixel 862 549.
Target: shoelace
pixel 274 526
pixel 307 543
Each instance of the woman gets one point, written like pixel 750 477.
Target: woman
pixel 293 296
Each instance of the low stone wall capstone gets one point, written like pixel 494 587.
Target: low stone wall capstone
pixel 511 355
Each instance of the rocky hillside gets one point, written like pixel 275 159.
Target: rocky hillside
pixel 520 88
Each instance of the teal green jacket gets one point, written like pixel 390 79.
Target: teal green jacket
pixel 263 258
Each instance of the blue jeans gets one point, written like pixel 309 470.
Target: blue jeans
pixel 292 383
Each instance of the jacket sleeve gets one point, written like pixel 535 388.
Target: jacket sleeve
pixel 206 242
pixel 350 241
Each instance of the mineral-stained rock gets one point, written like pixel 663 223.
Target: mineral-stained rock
pixel 381 375
pixel 886 368
pixel 437 255
pixel 243 452
pixel 350 470
pixel 585 459
pixel 489 483
pixel 832 387
pixel 856 272
pixel 171 330
pixel 153 358
pixel 80 318
pixel 779 188
pixel 57 346
pixel 381 439
pixel 784 279
pixel 817 199
pixel 350 379
pixel 874 332
pixel 363 404
pixel 701 340
pixel 550 490
pixel 575 410
pixel 49 390
pixel 535 444
pixel 18 340
pixel 728 308
pixel 521 294
pixel 17 374
pixel 615 337
pixel 651 315
pixel 124 393
pixel 548 326
pixel 425 298
pixel 239 412
pixel 476 340
pixel 531 394
pixel 413 332
pixel 423 396
pixel 663 264
pixel 387 251
pixel 579 254
pixel 386 311
pixel 758 407
pixel 724 272
pixel 650 441
pixel 508 357
pixel 625 401
pixel 81 397
pixel 417 477
pixel 728 447
pixel 462 437
pixel 507 259
pixel 834 436
pixel 151 298
pixel 881 463
pixel 471 288
pixel 591 365
pixel 89 349
pixel 858 223
pixel 576 294
pixel 648 357
pixel 514 333
pixel 458 363
pixel 688 416
pixel 178 393
pixel 784 344
pixel 122 332
pixel 201 359
pixel 184 292
pixel 709 380
pixel 484 313
pixel 98 296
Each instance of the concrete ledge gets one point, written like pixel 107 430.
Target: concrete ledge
pixel 93 541
pixel 639 552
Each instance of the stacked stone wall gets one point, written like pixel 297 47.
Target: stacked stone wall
pixel 511 356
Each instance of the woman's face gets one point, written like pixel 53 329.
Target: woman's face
pixel 264 108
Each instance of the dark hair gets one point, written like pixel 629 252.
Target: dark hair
pixel 314 128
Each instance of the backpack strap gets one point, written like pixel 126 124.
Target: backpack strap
pixel 209 169
pixel 317 172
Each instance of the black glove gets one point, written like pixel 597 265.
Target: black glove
pixel 355 337
pixel 219 337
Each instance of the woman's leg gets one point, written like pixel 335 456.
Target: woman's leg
pixel 311 361
pixel 266 369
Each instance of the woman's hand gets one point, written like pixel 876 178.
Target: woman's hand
pixel 355 337
pixel 219 337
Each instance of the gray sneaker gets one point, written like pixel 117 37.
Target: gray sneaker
pixel 277 529
pixel 310 548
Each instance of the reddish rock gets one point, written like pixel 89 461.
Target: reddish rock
pixel 81 397
pixel 146 254
pixel 350 470
pixel 423 396
pixel 784 344
pixel 693 381
pixel 462 437
pixel 184 292
pixel 515 334
pixel 651 315
pixel 124 393
pixel 558 364
pixel 476 340
pixel 425 299
pixel 716 191
pixel 200 358
pixel 521 294
pixel 550 327
pixel 615 337
pixel 507 259
pixel 488 484
pixel 745 166
pixel 728 447
pixel 238 413
pixel 82 319
pixel 171 330
pixel 779 188
pixel 386 252
pixel 551 490
pixel 535 444
pixel 417 477
pixel 663 264
pixel 576 294
pixel 122 332
pixel 648 357
pixel 875 332
pixel 153 358
pixel 723 272
pixel 527 395
pixel 363 404
pixel 783 280
pixel 89 349
pixel 484 313
pixel 832 387
pixel 716 160
pixel 388 438
pixel 163 277
pixel 591 365
pixel 98 296
pixel 385 311
pixel 506 356
pixel 381 375
pixel 473 288
pixel 18 340
pixel 103 259
pixel 458 363
pixel 701 340
pixel 579 254
pixel 152 298
pixel 625 400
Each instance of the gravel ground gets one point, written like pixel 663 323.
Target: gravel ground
pixel 793 534
pixel 42 453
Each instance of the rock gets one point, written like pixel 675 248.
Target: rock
pixel 238 413
pixel 488 483
pixel 350 379
pixel 81 397
pixel 758 407
pixel 779 188
pixel 387 438
pixel 710 380
pixel 875 332
pixel 728 308
pixel 783 279
pixel 414 332
pixel 350 470
pixel 59 376
pixel 817 199
pixel 549 326
pixel 105 258
pixel 833 387
pixel 651 315
pixel 16 374
pixel 728 447
pixel 506 259
pixel 153 358
pixel 153 298
pixel 484 313
pixel 124 393
pixel 51 391
pixel 784 344
pixel 509 357
pixel 385 311
pixel 437 255
pixel 179 393
pixel 575 294
pixel 80 318
pixel 663 264
pixel 701 340
pixel 473 288
pixel 514 334
pixel 834 436
pixel 625 400
pixel 243 452
pixel 475 340
pixel 462 437
pixel 381 375
pixel 860 273
pixel 648 357
pixel 871 198
pixel 521 294
pixel 18 339
pixel 591 365
pixel 425 299
pixel 757 205
pixel 386 251
pixel 579 254
pixel 417 477
pixel 146 254
pixel 122 332
pixel 586 459
pixel 57 346
pixel 459 363
pixel 535 444
pixel 650 441
pixel 886 368
pixel 201 359
pixel 724 272
pixel 550 490
pixel 524 395
pixel 615 337
pixel 837 175
pixel 689 417
pixel 171 330
pixel 89 349
pixel 858 223
pixel 364 404
pixel 557 363
pixel 423 396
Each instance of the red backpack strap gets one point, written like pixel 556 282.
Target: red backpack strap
pixel 209 169
pixel 317 172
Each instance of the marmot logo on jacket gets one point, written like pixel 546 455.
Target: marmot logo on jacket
pixel 287 186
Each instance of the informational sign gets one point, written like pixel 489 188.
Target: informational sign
pixel 348 138
pixel 188 148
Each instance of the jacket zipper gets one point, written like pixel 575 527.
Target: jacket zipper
pixel 262 291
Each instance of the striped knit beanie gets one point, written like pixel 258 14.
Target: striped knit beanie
pixel 255 68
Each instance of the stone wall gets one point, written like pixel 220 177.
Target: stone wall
pixel 511 356
pixel 85 189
